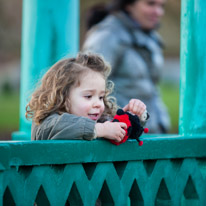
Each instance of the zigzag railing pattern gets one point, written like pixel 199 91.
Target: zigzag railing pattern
pixel 144 180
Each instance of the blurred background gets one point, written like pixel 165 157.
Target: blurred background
pixel 10 54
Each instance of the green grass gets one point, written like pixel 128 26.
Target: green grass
pixel 9 112
pixel 170 95
pixel 9 108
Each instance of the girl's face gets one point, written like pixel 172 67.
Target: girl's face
pixel 87 99
pixel 147 12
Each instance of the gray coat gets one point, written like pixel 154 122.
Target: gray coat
pixel 136 59
pixel 63 127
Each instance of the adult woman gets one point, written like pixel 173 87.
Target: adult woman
pixel 127 39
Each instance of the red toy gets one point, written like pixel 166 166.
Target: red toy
pixel 134 128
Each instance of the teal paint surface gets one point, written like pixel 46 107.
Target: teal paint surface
pixel 45 152
pixel 192 118
pixel 164 171
pixel 50 32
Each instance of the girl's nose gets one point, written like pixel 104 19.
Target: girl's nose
pixel 97 103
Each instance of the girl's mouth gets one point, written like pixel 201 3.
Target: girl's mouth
pixel 93 116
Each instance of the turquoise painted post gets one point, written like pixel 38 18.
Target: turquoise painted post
pixel 50 31
pixel 192 119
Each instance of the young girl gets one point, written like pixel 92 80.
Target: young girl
pixel 73 102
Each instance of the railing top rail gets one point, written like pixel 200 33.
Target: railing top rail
pixel 22 153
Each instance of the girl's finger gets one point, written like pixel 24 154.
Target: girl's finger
pixel 135 109
pixel 123 133
pixel 123 125
pixel 126 108
pixel 119 139
pixel 132 104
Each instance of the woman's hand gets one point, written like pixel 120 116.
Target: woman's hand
pixel 135 106
pixel 111 130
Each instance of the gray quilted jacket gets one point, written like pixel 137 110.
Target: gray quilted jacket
pixel 136 59
pixel 63 127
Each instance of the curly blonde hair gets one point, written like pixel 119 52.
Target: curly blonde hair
pixel 50 97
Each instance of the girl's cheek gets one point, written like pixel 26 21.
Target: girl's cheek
pixel 103 107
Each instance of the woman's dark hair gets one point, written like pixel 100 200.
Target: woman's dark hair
pixel 98 12
pixel 121 4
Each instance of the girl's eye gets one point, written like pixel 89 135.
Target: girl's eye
pixel 88 96
pixel 101 98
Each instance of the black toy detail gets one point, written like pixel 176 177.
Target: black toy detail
pixel 134 126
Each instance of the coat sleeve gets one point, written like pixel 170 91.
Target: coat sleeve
pixel 64 127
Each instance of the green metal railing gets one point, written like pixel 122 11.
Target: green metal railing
pixel 164 171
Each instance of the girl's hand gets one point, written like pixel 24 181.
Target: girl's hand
pixel 111 130
pixel 135 106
